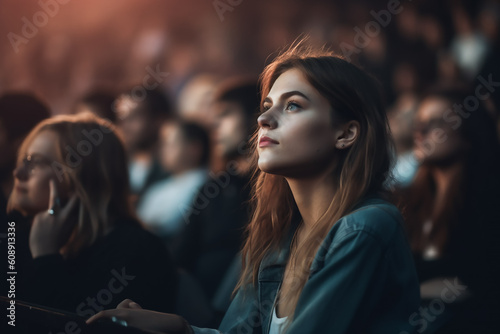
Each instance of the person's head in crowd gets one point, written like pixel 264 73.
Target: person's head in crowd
pixel 83 156
pixel 184 146
pixel 19 113
pixel 140 115
pixel 455 140
pixel 432 31
pixel 401 118
pixel 405 78
pixel 195 97
pixel 452 125
pixel 236 105
pixel 99 103
pixel 407 22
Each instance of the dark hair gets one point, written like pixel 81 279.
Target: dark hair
pixel 20 112
pixel 194 133
pixel 100 103
pixel 244 92
pixel 155 103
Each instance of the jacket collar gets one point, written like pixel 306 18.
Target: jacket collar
pixel 278 259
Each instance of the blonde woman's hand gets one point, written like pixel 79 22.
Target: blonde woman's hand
pixel 128 303
pixel 51 229
pixel 132 314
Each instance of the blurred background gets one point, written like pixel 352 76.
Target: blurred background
pixel 82 46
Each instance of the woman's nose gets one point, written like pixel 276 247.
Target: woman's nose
pixel 418 136
pixel 20 172
pixel 266 120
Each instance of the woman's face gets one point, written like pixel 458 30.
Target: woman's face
pixel 435 139
pixel 230 128
pixel 171 147
pixel 31 177
pixel 296 135
pixel 176 153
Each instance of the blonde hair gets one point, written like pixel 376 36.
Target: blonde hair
pixel 361 169
pixel 91 161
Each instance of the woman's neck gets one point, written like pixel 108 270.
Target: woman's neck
pixel 313 197
pixel 444 177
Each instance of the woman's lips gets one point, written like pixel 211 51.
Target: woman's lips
pixel 21 189
pixel 266 141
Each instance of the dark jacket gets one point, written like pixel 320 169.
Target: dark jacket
pixel 129 262
pixel 212 237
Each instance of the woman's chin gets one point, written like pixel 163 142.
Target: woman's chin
pixel 26 210
pixel 267 167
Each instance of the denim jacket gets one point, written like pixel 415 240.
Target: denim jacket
pixel 362 280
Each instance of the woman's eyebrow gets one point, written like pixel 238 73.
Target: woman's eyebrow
pixel 37 155
pixel 287 95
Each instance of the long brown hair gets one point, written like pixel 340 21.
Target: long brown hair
pixel 362 168
pixel 91 161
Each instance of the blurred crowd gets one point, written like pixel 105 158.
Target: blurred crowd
pixel 183 102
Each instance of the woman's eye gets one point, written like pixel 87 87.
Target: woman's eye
pixel 39 163
pixel 266 107
pixel 292 106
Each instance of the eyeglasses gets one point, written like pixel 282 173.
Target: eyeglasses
pixel 34 163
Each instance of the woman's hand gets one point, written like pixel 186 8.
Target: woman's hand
pixel 131 313
pixel 51 229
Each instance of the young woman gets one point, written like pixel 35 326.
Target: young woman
pixel 451 208
pixel 324 252
pixel 88 250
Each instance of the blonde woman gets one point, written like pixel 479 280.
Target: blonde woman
pixel 325 252
pixel 88 250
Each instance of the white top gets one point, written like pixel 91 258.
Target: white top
pixel 138 172
pixel 165 207
pixel 277 324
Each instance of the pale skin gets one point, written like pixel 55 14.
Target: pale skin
pixel 50 232
pixel 298 118
pixel 154 322
pixel 37 191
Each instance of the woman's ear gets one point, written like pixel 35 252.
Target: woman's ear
pixel 349 132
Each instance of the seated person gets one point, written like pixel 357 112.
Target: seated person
pixel 88 250
pixel 214 234
pixel 140 121
pixel 184 153
pixel 452 214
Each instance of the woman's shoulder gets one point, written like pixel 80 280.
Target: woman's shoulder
pixel 374 216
